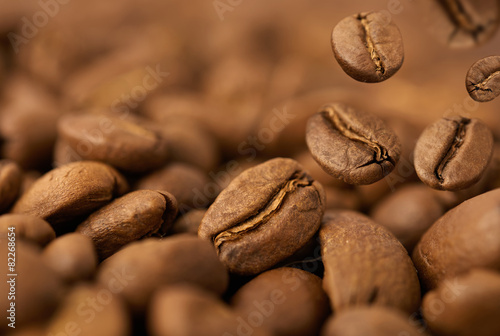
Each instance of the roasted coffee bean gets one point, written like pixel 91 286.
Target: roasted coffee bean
pixel 408 213
pixel 189 222
pixel 462 23
pixel 483 79
pixel 37 289
pixel 453 153
pixel 266 214
pixel 139 214
pixel 365 264
pixel 189 311
pixel 466 305
pixel 10 183
pixel 128 146
pixel 466 237
pixel 71 191
pixel 148 264
pixel 91 310
pixel 368 46
pixel 372 321
pixel 72 257
pixel 189 184
pixel 29 228
pixel 352 145
pixel 292 300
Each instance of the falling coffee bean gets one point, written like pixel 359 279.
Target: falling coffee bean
pixel 453 153
pixel 368 47
pixel 354 146
pixel 265 215
pixel 483 79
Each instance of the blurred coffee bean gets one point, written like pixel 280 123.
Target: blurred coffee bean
pixel 139 214
pixel 189 185
pixel 408 213
pixel 341 199
pixel 188 222
pixel 91 310
pixel 142 267
pixel 264 216
pixel 483 79
pixel 28 228
pixel 71 191
pixel 466 237
pixel 368 46
pixel 290 301
pixel 373 321
pixel 72 257
pixel 189 311
pixel 10 183
pixel 365 264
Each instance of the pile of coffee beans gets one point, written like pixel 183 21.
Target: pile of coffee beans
pixel 233 168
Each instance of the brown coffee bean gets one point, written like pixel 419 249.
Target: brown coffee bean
pixel 483 79
pixel 352 145
pixel 368 46
pixel 462 23
pixel 38 289
pixel 365 264
pixel 266 214
pixel 71 191
pixel 373 321
pixel 91 310
pixel 125 145
pixel 184 310
pixel 146 265
pixel 466 237
pixel 72 256
pixel 29 228
pixel 291 301
pixel 466 305
pixel 139 214
pixel 453 153
pixel 10 183
pixel 190 185
pixel 408 213
pixel 188 223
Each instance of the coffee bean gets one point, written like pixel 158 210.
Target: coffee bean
pixel 462 23
pixel 189 311
pixel 126 145
pixel 408 213
pixel 139 214
pixel 91 310
pixel 453 153
pixel 29 228
pixel 291 301
pixel 373 321
pixel 188 223
pixel 465 305
pixel 365 264
pixel 66 193
pixel 144 266
pixel 483 79
pixel 466 237
pixel 352 145
pixel 10 183
pixel 72 257
pixel 266 214
pixel 368 47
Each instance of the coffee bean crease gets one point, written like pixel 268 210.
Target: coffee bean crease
pixel 457 142
pixel 370 45
pixel 461 19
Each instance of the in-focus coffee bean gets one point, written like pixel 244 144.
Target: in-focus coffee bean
pixel 483 79
pixel 466 237
pixel 368 46
pixel 139 214
pixel 453 153
pixel 365 264
pixel 266 214
pixel 354 146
